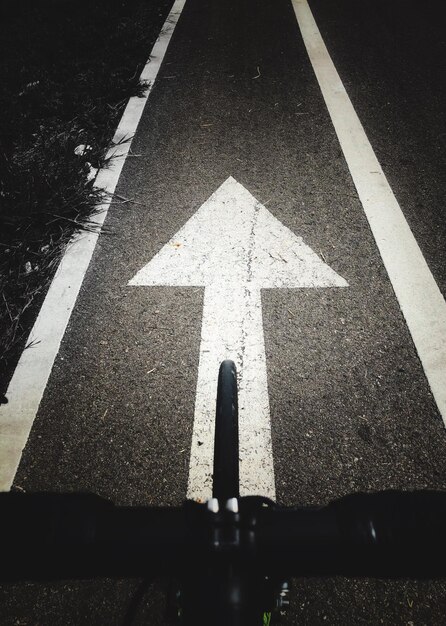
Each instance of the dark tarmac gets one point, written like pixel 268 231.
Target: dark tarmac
pixel 351 409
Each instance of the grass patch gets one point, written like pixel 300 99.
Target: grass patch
pixel 67 69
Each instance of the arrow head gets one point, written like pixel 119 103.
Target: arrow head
pixel 233 239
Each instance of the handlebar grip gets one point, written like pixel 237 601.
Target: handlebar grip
pixel 57 536
pixel 385 534
pixel 402 533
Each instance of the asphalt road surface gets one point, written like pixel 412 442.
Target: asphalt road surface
pixel 350 405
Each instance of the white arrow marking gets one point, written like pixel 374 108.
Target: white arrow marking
pixel 234 247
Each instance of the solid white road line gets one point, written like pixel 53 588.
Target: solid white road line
pixel 234 247
pixel 419 297
pixel 33 370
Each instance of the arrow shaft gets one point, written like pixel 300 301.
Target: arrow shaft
pixel 232 328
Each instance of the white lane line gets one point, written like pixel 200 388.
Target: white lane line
pixel 234 247
pixel 30 378
pixel 419 297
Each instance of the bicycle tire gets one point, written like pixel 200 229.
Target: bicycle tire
pixel 226 442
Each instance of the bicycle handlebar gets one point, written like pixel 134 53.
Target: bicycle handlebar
pixel 386 534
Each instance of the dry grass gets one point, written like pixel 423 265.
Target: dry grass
pixel 67 69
